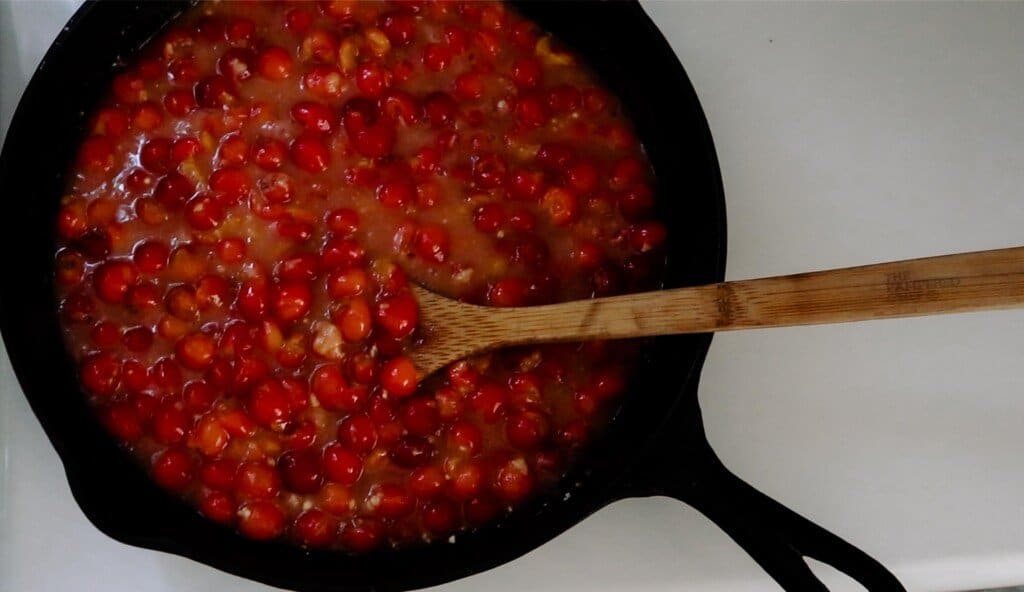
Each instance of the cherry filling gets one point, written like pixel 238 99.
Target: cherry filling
pixel 244 221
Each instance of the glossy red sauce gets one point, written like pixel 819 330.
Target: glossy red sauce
pixel 243 223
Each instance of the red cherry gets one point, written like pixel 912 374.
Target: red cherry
pixel 204 212
pixel 399 26
pixel 301 471
pixel 358 433
pixel 465 437
pixel 647 236
pixel 334 392
pixel 412 451
pixel 436 57
pixel 214 92
pixel 375 141
pixel 514 482
pixel 111 122
pixel 341 465
pixel 310 154
pixel 319 45
pixel 268 154
pixel 489 171
pixel 431 243
pixel 420 416
pixel 232 184
pixel 440 109
pixel 218 506
pixel 456 38
pixel 582 176
pixel 256 481
pixel 372 79
pixel 147 116
pixel 299 435
pixel 170 424
pixel 315 528
pixel 195 351
pixel 94 244
pixel 105 334
pixel 564 98
pixel 526 72
pixel 522 220
pixel 172 469
pixel 315 117
pixel 123 421
pixel 155 155
pixel 324 81
pixel 555 156
pixel 301 267
pixel 466 482
pixel 527 185
pixel 510 291
pixel 72 221
pixel 400 106
pixel 341 253
pixel 274 63
pixel 138 339
pixel 389 500
pixel 439 517
pixel 608 383
pixel 562 205
pixel 298 19
pixel 625 173
pixel 173 190
pixel 236 64
pixel 399 377
pixel 426 482
pixel 362 535
pixel 636 202
pixel 355 320
pixel 185 148
pixel 70 267
pixel 489 218
pixel 481 510
pixel 291 301
pixel 526 430
pixel 97 153
pixel 128 87
pixel 261 520
pixel 531 111
pixel 209 436
pixel 113 279
pixel 469 86
pixel 345 283
pixel 269 404
pixel 489 402
pixel 398 315
pixel 100 373
pixel 198 395
pixel 240 30
pixel 396 193
pixel 358 114
pixel 343 221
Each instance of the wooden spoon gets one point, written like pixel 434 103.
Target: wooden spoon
pixel 964 282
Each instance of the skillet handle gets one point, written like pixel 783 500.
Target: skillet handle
pixel 775 536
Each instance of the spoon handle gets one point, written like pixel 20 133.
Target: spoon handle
pixel 963 282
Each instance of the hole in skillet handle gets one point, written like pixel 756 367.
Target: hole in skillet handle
pixel 777 538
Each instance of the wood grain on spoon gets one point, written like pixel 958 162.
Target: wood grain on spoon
pixel 964 282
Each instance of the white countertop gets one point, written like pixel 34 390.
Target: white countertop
pixel 847 134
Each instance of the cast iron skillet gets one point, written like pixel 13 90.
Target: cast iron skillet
pixel 655 446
